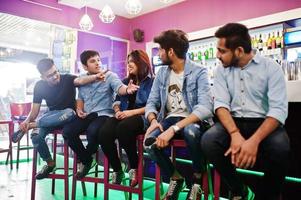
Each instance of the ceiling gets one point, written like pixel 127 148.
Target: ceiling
pixel 118 5
pixel 22 33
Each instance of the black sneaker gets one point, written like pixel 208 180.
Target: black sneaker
pixel 117 177
pixel 83 170
pixel 16 137
pixel 44 172
pixel 174 189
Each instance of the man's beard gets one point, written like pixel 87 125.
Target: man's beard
pixel 167 61
pixel 234 62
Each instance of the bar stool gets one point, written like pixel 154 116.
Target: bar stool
pixel 53 176
pixel 94 180
pixel 206 182
pixel 139 188
pixel 19 112
pixel 9 150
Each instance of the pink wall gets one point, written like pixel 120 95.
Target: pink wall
pixel 193 15
pixel 68 16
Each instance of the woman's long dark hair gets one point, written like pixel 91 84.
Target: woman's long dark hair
pixel 141 59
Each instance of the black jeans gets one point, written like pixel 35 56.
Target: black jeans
pixel 125 131
pixel 91 124
pixel 272 157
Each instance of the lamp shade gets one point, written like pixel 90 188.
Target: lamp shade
pixel 133 7
pixel 107 15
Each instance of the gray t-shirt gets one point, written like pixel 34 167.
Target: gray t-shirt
pixel 176 106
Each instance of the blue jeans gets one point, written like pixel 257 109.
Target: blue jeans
pixel 91 126
pixel 50 121
pixel 192 135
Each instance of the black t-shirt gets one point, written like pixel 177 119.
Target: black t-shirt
pixel 58 97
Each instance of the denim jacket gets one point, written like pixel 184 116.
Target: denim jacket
pixel 196 92
pixel 141 96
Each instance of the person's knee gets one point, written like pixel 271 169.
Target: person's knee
pixel 67 132
pixel 279 147
pixel 36 139
pixel 68 115
pixel 192 132
pixel 208 142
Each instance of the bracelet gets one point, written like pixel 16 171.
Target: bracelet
pixel 234 131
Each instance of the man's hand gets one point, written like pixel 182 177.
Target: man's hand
pixel 248 153
pixel 236 142
pixel 81 114
pixel 120 115
pixel 24 126
pixel 131 88
pixel 164 138
pixel 101 75
pixel 154 124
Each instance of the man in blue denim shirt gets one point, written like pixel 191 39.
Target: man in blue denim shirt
pixel 94 107
pixel 251 104
pixel 178 103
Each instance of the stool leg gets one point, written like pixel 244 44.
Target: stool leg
pixel 27 143
pixel 54 158
pixel 205 185
pixel 140 169
pixel 66 170
pixel 73 190
pixel 106 169
pixel 96 175
pixel 18 154
pixel 10 132
pixel 33 177
pixel 158 183
pixel 217 184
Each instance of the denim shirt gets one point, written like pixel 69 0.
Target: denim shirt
pixel 196 92
pixel 141 96
pixel 98 96
pixel 255 91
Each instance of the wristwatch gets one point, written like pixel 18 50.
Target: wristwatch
pixel 175 128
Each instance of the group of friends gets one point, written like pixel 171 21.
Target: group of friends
pixel 238 123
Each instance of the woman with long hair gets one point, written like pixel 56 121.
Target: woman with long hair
pixel 129 120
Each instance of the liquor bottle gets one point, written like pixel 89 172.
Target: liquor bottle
pixel 191 55
pixel 252 42
pixel 278 40
pixel 200 57
pixel 255 43
pixel 281 40
pixel 260 43
pixel 211 51
pixel 206 53
pixel 264 42
pixel 273 41
pixel 269 41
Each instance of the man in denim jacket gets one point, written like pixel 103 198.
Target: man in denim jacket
pixel 178 103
